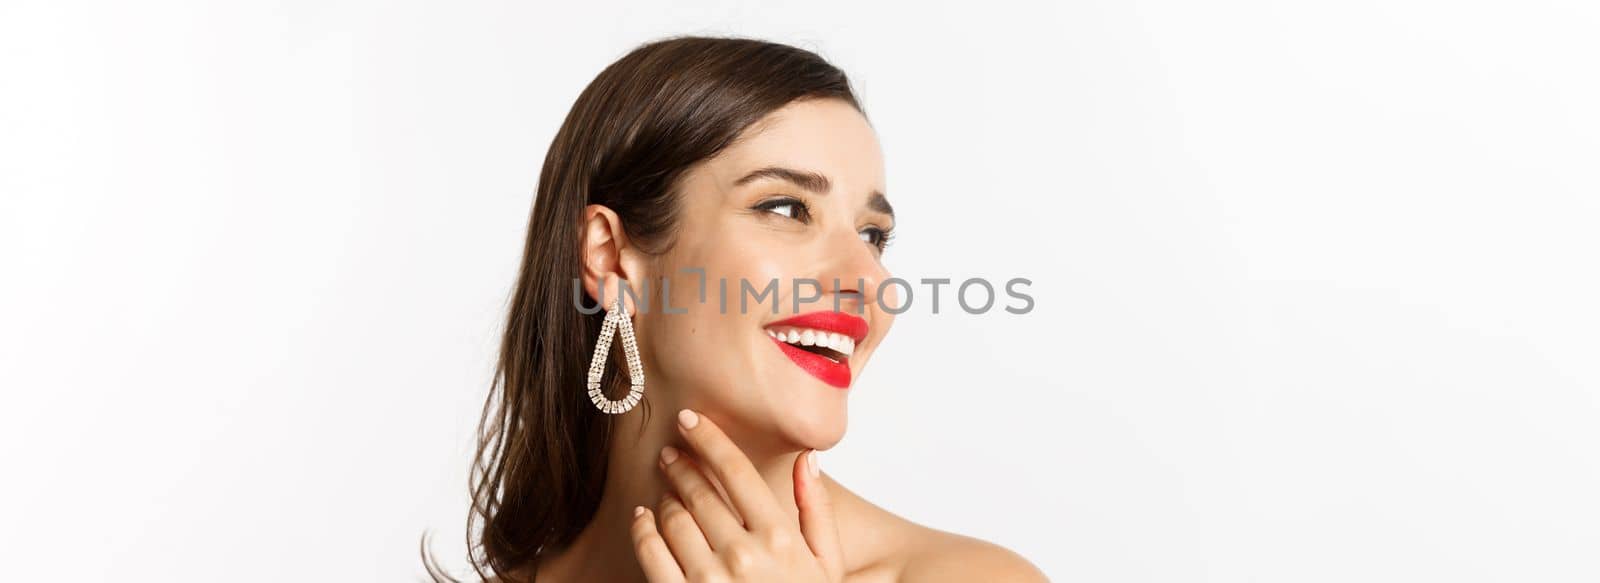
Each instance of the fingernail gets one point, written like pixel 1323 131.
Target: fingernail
pixel 688 419
pixel 638 511
pixel 812 465
pixel 669 454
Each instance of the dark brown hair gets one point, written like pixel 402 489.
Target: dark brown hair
pixel 641 124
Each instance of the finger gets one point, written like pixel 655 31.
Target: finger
pixel 723 492
pixel 702 499
pixel 684 538
pixel 654 556
pixel 816 514
pixel 749 493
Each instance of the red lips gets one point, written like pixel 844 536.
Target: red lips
pixel 835 374
pixel 835 322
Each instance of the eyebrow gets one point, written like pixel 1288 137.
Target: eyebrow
pixel 878 202
pixel 812 181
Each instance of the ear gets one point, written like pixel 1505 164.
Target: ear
pixel 608 259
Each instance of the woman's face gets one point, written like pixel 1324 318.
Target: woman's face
pixel 794 205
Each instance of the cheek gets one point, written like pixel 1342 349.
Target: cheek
pixel 740 276
pixel 756 261
pixel 709 342
pixel 688 346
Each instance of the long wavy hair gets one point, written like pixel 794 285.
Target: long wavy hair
pixel 540 466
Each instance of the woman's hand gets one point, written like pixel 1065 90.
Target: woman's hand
pixel 699 538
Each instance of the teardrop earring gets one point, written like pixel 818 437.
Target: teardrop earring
pixel 616 316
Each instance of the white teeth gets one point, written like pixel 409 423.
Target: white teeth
pixel 809 337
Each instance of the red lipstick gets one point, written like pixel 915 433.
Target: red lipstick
pixel 835 373
pixel 836 322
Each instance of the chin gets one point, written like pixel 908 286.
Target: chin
pixel 820 438
pixel 813 358
pixel 817 422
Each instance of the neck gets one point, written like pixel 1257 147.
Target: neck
pixel 603 550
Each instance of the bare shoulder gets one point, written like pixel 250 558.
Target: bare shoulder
pixel 943 556
pixel 899 550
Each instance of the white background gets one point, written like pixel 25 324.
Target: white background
pixel 1315 281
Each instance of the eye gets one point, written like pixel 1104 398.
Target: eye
pixel 788 207
pixel 877 237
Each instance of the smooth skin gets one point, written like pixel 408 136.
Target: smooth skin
pixel 720 455
pixel 700 538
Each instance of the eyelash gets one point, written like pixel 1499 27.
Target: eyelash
pixel 803 214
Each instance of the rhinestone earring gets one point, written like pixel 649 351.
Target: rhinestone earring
pixel 616 316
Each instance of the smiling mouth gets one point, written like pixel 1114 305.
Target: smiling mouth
pixel 830 345
pixel 821 343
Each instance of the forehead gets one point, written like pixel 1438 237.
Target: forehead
pixel 827 136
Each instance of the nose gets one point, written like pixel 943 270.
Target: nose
pixel 853 273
